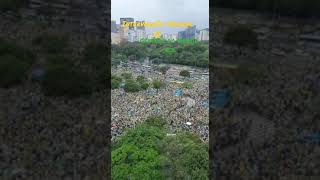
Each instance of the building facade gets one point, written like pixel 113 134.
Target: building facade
pixel 203 35
pixel 127 19
pixel 114 27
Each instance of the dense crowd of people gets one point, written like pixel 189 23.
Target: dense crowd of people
pixel 188 111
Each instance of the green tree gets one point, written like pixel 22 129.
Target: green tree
pixel 187 157
pixel 144 84
pixel 157 84
pixel 131 86
pixel 126 75
pixel 184 73
pixel 163 69
pixel 115 84
pixel 145 152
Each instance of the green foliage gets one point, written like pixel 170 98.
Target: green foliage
pixel 12 5
pixel 157 84
pixel 52 43
pixel 135 155
pixel 163 69
pixel 145 152
pixel 131 86
pixel 117 58
pixel 131 162
pixel 187 157
pixel 241 36
pixel 184 73
pixel 187 85
pixel 61 80
pixel 115 84
pixel 141 79
pixel 134 50
pixel 185 54
pixel 144 84
pixel 126 75
pixel 156 122
pixel 12 70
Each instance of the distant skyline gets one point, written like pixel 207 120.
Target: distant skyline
pixel 194 11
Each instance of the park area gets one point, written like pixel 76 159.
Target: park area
pixel 160 121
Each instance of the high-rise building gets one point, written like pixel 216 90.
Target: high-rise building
pixel 190 32
pixel 115 38
pixel 140 27
pixel 128 19
pixel 113 26
pixel 124 33
pixel 181 34
pixel 203 35
pixel 141 34
pixel 132 37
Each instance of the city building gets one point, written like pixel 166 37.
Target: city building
pixel 113 26
pixel 140 27
pixel 128 19
pixel 203 35
pixel 124 33
pixel 132 36
pixel 190 32
pixel 140 34
pixel 115 38
pixel 181 34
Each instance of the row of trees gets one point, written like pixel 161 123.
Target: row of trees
pixel 146 152
pixel 186 54
pixel 134 85
pixel 286 7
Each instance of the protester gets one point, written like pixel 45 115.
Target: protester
pixel 128 108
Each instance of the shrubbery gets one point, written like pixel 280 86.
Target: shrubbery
pixel 144 84
pixel 187 85
pixel 126 75
pixel 184 73
pixel 115 82
pixel 131 86
pixel 157 84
